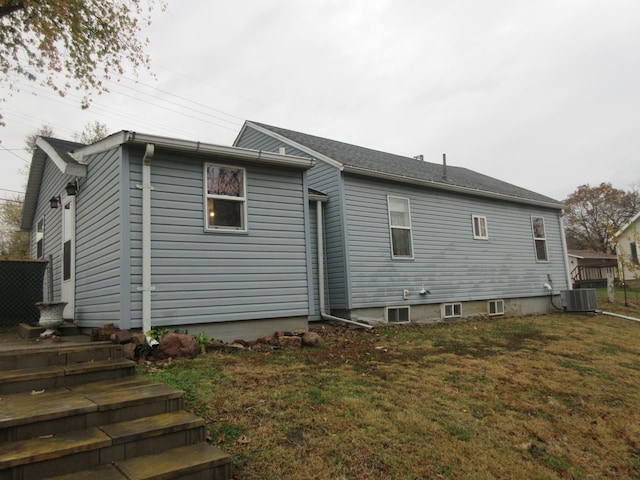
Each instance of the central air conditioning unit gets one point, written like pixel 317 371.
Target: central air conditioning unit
pixel 579 300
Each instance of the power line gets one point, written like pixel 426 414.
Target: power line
pixel 12 191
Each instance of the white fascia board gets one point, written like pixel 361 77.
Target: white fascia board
pixel 134 138
pixel 74 169
pixel 302 148
pixel 627 225
pixel 448 187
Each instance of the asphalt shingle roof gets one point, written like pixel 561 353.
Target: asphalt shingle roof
pixel 381 162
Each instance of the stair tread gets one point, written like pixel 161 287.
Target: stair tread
pixel 177 461
pixel 33 373
pixel 24 408
pixel 35 349
pixel 125 393
pixel 97 365
pixel 151 426
pixel 53 446
pixel 103 472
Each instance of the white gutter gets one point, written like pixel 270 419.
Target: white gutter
pixel 146 288
pixel 238 153
pixel 323 314
pixel 565 252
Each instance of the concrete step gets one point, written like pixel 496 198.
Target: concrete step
pixel 48 377
pixel 24 416
pixel 62 453
pixel 52 455
pixel 41 355
pixel 194 462
pixel 149 435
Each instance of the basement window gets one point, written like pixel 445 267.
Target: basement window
pixel 398 314
pixel 451 310
pixel 225 198
pixel 496 307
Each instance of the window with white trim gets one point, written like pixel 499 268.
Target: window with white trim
pixel 451 310
pixel 398 314
pixel 225 198
pixel 40 238
pixel 496 307
pixel 480 231
pixel 400 227
pixel 539 238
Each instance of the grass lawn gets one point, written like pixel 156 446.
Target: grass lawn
pixel 543 397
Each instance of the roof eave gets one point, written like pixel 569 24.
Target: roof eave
pixel 135 138
pixel 450 187
pixel 294 144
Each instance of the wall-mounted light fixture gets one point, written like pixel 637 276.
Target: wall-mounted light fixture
pixel 72 188
pixel 55 202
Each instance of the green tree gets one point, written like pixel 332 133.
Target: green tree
pixel 63 42
pixel 14 244
pixel 595 213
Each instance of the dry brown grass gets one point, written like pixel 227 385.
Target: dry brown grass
pixel 545 397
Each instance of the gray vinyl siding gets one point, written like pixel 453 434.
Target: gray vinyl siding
pixel 205 277
pixel 447 259
pixel 98 241
pixel 326 179
pixel 53 182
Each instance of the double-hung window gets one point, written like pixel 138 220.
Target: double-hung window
pixel 225 198
pixel 480 231
pixel 400 227
pixel 539 238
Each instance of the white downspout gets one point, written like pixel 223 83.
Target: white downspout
pixel 146 288
pixel 320 234
pixel 565 252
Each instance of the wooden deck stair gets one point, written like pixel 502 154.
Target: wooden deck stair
pixel 75 412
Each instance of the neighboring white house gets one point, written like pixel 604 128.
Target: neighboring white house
pixel 589 268
pixel 627 241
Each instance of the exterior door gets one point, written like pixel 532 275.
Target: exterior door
pixel 68 255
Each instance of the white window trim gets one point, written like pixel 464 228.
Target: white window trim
pixel 243 199
pixel 400 257
pixel 39 237
pixel 482 221
pixel 397 307
pixel 544 239
pixel 496 302
pixel 453 309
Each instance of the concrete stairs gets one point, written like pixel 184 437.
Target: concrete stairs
pixel 75 411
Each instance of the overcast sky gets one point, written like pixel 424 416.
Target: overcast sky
pixel 543 94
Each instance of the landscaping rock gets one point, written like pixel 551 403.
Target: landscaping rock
pixel 290 342
pixel 130 351
pixel 178 345
pixel 121 336
pixel 312 339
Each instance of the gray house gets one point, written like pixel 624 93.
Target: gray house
pixel 408 240
pixel 147 231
